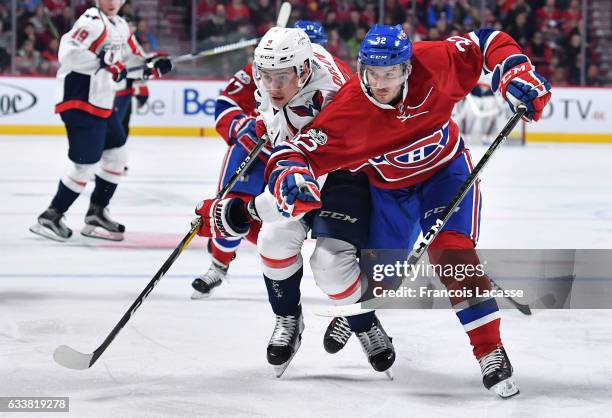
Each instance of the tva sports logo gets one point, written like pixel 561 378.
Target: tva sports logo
pixel 15 99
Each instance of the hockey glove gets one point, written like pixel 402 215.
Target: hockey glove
pixel 115 67
pixel 141 91
pixel 243 132
pixel 157 65
pixel 223 218
pixel 294 188
pixel 518 82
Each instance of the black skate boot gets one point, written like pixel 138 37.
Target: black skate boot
pixel 497 373
pixel 205 284
pixel 337 335
pixel 98 224
pixel 285 340
pixel 50 225
pixel 378 348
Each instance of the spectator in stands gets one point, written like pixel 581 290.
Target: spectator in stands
pixel 592 77
pixel 540 54
pixel 55 7
pixel 49 57
pixel 559 77
pixel 439 9
pixel 352 45
pixel 520 30
pixel 261 16
pixel 547 13
pixel 206 8
pixel 369 16
pixel 144 35
pixel 335 45
pixel 29 5
pixel 216 26
pixel 29 59
pixel 63 21
pixel 571 16
pixel 347 29
pixel 464 14
pixel 5 38
pixel 237 13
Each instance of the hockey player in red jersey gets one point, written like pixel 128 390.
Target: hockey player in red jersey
pixel 394 123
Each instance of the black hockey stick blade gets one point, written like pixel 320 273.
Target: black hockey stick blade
pixel 72 359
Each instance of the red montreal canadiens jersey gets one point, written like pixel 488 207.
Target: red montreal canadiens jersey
pixel 399 146
pixel 235 100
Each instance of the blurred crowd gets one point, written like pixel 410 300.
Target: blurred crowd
pixel 40 25
pixel 548 30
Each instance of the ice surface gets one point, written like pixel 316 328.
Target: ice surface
pixel 179 357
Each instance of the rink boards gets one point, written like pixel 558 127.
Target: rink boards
pixel 179 108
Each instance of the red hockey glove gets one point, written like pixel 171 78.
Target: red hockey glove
pixel 518 82
pixel 294 188
pixel 141 91
pixel 157 65
pixel 243 131
pixel 223 218
pixel 115 67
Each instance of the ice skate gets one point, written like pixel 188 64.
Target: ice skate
pixel 50 225
pixel 497 373
pixel 285 341
pixel 337 335
pixel 378 348
pixel 98 224
pixel 204 285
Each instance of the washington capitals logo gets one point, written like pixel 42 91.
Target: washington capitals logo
pixel 309 108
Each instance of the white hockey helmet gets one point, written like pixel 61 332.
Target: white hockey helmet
pixel 283 48
pixel 121 3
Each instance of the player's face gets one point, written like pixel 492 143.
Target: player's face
pixel 385 82
pixel 281 85
pixel 109 7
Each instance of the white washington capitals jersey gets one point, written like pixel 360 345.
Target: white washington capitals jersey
pixel 82 84
pixel 328 75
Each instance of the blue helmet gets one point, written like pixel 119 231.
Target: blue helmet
pixel 314 30
pixel 385 45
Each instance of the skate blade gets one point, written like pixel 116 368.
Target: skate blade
pixel 101 233
pixel 389 374
pixel 38 229
pixel 280 369
pixel 197 295
pixel 506 388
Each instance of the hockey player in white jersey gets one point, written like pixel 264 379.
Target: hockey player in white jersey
pixel 295 80
pixel 93 56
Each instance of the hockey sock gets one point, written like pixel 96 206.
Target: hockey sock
pixel 64 198
pixel 479 316
pixel 223 251
pixel 284 295
pixel 362 322
pixel 103 192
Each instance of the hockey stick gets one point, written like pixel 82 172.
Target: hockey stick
pixel 73 359
pixel 416 254
pixel 283 18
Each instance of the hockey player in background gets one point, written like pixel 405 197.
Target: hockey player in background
pixel 92 58
pixel 294 82
pixel 393 122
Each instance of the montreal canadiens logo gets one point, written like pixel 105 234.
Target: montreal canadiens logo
pixel 419 153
